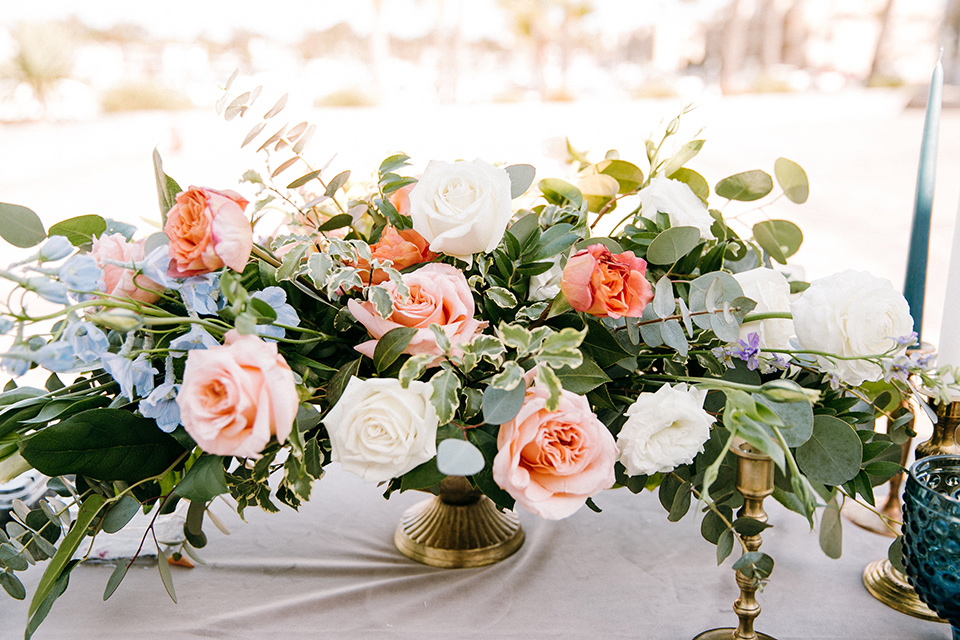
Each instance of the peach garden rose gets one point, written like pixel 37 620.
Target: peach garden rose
pixel 108 250
pixel 208 230
pixel 238 395
pixel 552 461
pixel 404 248
pixel 439 294
pixel 606 284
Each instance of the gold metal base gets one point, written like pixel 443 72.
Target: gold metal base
pixel 443 534
pixel 890 587
pixel 727 634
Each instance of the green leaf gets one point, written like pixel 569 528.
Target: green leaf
pixel 80 230
pixel 20 226
pixel 204 480
pixel 10 557
pixel 583 379
pixel 559 192
pixel 727 290
pixel 502 405
pixel 71 542
pixel 393 163
pixel 831 534
pixel 681 503
pixel 56 590
pixel 120 513
pixel 457 457
pixel 390 346
pixel 340 379
pixel 696 182
pixel 883 469
pixel 501 297
pixel 104 444
pixel 833 453
pixel 895 554
pixel 336 182
pixel 686 153
pixel 12 585
pixel 304 179
pixel 484 479
pixel 792 179
pixel 672 335
pixel 116 578
pixel 167 188
pixel 290 264
pixel 422 476
pixel 629 177
pixel 163 566
pixel 747 526
pixel 509 377
pixel 724 546
pixel 672 244
pixel 780 238
pixel 338 221
pixel 746 186
pixel 797 419
pixel 664 302
pixel 521 177
pixel 445 396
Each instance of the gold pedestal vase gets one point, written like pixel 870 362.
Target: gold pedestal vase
pixel 882 579
pixel 458 528
pixel 755 482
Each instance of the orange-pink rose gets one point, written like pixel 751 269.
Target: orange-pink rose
pixel 606 284
pixel 121 281
pixel 403 248
pixel 552 461
pixel 439 294
pixel 207 230
pixel 236 396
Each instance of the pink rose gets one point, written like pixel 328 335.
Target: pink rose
pixel 235 396
pixel 552 461
pixel 120 281
pixel 207 230
pixel 439 294
pixel 606 284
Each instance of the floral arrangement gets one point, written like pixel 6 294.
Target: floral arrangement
pixel 456 322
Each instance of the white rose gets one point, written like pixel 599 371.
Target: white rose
pixel 461 208
pixel 379 430
pixel 771 291
pixel 664 430
pixel 851 314
pixel 546 285
pixel 679 202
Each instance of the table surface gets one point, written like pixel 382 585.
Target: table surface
pixel 331 571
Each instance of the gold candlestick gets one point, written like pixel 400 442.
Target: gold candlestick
pixel 882 579
pixel 755 482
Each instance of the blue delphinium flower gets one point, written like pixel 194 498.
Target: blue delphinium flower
pixel 55 248
pixel 81 273
pixel 120 368
pixel 47 289
pixel 5 324
pixel 749 350
pixel 201 294
pixel 161 404
pixel 16 361
pixel 196 338
pixel 143 373
pixel 286 314
pixel 88 341
pixel 56 356
pixel 155 267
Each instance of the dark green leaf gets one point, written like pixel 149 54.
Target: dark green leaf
pixel 204 480
pixel 672 244
pixel 340 379
pixel 391 345
pixel 746 186
pixel 304 179
pixel 104 444
pixel 895 554
pixel 12 585
pixel 724 545
pixel 421 477
pixel 119 514
pixel 338 221
pixel 585 378
pixel 883 469
pixel 56 590
pixel 749 526
pixel 560 193
pixel 393 163
pixel 681 503
pixel 20 226
pixel 833 453
pixel 521 177
pixel 115 578
pixel 484 480
pixel 80 230
pixel 502 405
pixel 797 419
pixel 10 557
pixel 792 179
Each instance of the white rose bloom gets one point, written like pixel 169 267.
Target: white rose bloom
pixel 679 202
pixel 546 285
pixel 461 208
pixel 850 314
pixel 664 430
pixel 379 430
pixel 771 291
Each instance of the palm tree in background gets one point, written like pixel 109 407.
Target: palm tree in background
pixel 44 58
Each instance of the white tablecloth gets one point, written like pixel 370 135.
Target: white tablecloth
pixel 331 571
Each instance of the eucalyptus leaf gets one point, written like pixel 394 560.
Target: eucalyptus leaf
pixel 672 335
pixel 116 577
pixel 163 566
pixel 780 238
pixel 559 192
pixel 833 453
pixel 80 230
pixel 686 153
pixel 203 481
pixel 457 457
pixel 12 585
pixel 629 177
pixel 831 534
pixel 672 244
pixel 20 226
pixel 120 513
pixel 746 186
pixel 521 177
pixel 502 405
pixel 792 179
pixel 664 302
pixel 697 183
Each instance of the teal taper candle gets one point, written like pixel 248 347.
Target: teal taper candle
pixel 915 282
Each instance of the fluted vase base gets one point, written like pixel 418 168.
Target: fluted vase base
pixel 890 587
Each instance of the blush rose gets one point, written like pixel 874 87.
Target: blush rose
pixel 124 282
pixel 439 294
pixel 552 461
pixel 404 248
pixel 606 284
pixel 208 230
pixel 235 396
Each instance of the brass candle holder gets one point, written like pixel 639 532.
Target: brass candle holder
pixel 458 528
pixel 755 482
pixel 882 579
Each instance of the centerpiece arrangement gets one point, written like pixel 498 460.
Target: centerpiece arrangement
pixel 457 323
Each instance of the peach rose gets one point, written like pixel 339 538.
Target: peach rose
pixel 552 461
pixel 236 396
pixel 439 294
pixel 207 230
pixel 123 281
pixel 403 248
pixel 400 199
pixel 606 284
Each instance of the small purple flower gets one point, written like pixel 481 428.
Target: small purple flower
pixel 723 355
pixel 749 350
pixel 907 340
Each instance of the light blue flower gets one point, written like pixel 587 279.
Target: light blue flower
pixel 155 267
pixel 81 273
pixel 55 248
pixel 47 289
pixel 143 373
pixel 286 314
pixel 196 338
pixel 129 374
pixel 88 341
pixel 201 294
pixel 56 356
pixel 5 324
pixel 161 405
pixel 16 361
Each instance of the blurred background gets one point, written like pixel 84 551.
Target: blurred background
pixel 88 90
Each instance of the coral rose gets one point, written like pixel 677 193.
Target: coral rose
pixel 606 284
pixel 552 461
pixel 439 294
pixel 403 248
pixel 208 230
pixel 108 250
pixel 237 395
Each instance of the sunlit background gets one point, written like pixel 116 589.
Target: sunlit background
pixel 88 90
